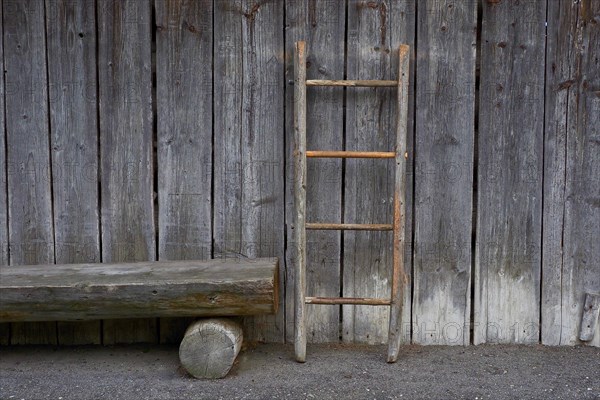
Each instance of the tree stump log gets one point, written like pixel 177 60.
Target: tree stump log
pixel 210 347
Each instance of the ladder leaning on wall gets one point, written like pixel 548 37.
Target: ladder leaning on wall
pixel 399 279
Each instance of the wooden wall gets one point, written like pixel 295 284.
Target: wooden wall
pixel 145 130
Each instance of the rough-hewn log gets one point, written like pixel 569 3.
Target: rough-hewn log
pixel 137 290
pixel 210 347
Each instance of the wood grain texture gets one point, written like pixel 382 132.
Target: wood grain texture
pixel 561 56
pixel 184 56
pixel 321 24
pixel 71 50
pixel 571 165
pixel 31 235
pixel 443 174
pixel 210 347
pixel 135 290
pixel 125 83
pixel 589 319
pixel 508 249
pixel 400 282
pixel 298 222
pixel 374 32
pixel 4 328
pixel 249 141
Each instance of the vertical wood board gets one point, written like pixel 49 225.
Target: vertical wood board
pixel 571 165
pixel 321 24
pixel 511 110
pixel 443 171
pixel 184 121
pixel 125 83
pixel 4 328
pixel 374 32
pixel 31 236
pixel 71 49
pixel 249 142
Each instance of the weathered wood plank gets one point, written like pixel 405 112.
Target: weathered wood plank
pixel 443 175
pixel 137 290
pixel 352 83
pixel 125 83
pixel 508 253
pixel 28 157
pixel 184 119
pixel 571 178
pixel 71 51
pixel 298 223
pixel 248 140
pixel 4 328
pixel 560 70
pixel 375 30
pixel 589 319
pixel 321 24
pixel 400 283
pixel 210 347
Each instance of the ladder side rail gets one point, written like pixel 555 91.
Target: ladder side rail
pixel 399 277
pixel 300 200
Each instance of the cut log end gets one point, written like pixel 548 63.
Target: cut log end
pixel 210 347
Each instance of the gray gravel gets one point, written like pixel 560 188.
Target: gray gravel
pixel 331 372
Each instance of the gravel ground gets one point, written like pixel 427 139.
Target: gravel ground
pixel 331 372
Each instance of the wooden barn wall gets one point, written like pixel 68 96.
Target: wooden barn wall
pixel 161 130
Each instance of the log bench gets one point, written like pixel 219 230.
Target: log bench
pixel 215 288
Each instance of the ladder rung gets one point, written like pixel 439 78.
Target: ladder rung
pixel 349 154
pixel 355 83
pixel 349 227
pixel 347 300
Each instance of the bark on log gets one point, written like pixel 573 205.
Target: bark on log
pixel 210 347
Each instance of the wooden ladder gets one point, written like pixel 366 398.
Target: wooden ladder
pixel 399 279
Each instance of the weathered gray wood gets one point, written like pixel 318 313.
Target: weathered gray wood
pixel 248 140
pixel 28 161
pixel 4 328
pixel 184 118
pixel 210 347
pixel 589 320
pixel 71 51
pixel 299 219
pixel 125 82
pixel 400 283
pixel 561 60
pixel 375 30
pixel 571 165
pixel 70 292
pixel 443 175
pixel 352 83
pixel 508 253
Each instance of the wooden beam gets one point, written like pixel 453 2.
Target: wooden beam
pixel 138 290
